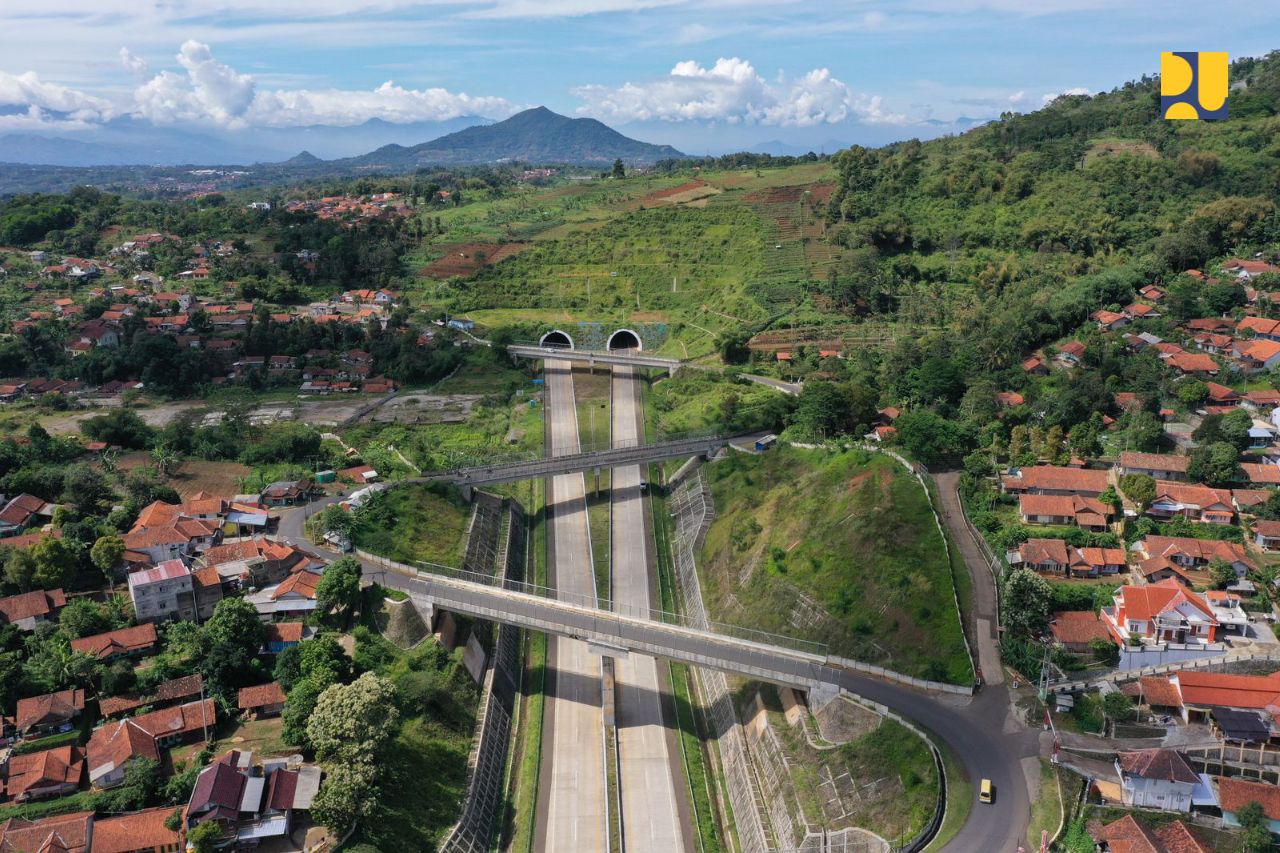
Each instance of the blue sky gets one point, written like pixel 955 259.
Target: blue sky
pixel 704 75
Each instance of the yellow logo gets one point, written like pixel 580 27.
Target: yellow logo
pixel 1193 85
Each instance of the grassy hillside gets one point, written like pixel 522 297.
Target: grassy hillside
pixel 392 524
pixel 837 548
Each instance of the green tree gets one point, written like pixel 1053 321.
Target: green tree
pixel 121 427
pixel 82 618
pixel 85 489
pixel 232 637
pixel 1028 600
pixel 335 519
pixel 55 562
pixel 107 553
pixel 1257 833
pixel 338 592
pixel 349 791
pixel 1139 488
pixel 931 438
pixel 1217 464
pixel 1235 428
pixel 205 837
pixel 619 171
pixel 1222 572
pixel 1117 706
pixel 352 722
pixel 298 707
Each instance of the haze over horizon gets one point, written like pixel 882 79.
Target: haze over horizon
pixel 705 76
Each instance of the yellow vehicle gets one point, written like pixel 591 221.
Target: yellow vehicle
pixel 986 792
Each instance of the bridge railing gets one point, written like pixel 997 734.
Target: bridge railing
pixel 619 608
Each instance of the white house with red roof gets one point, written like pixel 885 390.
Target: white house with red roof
pixel 1163 612
pixel 163 592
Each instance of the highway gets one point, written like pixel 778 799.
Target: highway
pixel 572 813
pixel 651 793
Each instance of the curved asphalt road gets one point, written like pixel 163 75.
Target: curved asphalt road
pixel 982 733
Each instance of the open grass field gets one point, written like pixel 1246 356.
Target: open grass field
pixel 838 548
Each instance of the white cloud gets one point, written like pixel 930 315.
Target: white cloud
pixel 214 93
pixel 733 91
pixel 27 91
pixel 135 65
pixel 388 102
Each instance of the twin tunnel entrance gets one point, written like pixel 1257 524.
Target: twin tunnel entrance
pixel 622 339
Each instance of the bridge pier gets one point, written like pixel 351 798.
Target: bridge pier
pixel 468 493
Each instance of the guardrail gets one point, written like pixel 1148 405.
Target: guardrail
pixel 1120 676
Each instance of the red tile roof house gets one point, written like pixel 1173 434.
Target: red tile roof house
pixel 1192 363
pixel 1160 466
pixel 1221 395
pixel 1248 269
pixel 1035 366
pixel 1056 557
pixel 113 747
pixel 1162 612
pixel 1234 794
pixel 22 512
pixel 1108 321
pixel 69 833
pixel 1199 693
pixel 164 695
pixel 37 715
pixel 1070 353
pixel 1074 630
pixel 1195 502
pixel 140 832
pixel 262 700
pixel 1071 510
pixel 292 598
pixel 249 806
pixel 1261 473
pixel 1266 534
pixel 1157 778
pixel 1261 327
pixel 1190 553
pixel 1256 356
pixel 283 635
pixel 260 561
pixel 38 775
pixel 1056 480
pixel 126 642
pixel 29 609
pixel 1126 835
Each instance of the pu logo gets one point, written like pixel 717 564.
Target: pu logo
pixel 1193 84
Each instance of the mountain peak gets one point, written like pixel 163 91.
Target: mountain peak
pixel 535 135
pixel 306 158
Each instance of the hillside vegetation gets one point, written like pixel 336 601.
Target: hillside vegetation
pixel 837 548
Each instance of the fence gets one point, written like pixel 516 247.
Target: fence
pixel 486 766
pixel 1162 669
pixel 693 511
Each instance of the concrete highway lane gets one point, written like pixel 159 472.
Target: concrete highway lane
pixel 573 816
pixel 651 792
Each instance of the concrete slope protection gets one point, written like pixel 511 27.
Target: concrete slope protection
pixel 573 815
pixel 650 792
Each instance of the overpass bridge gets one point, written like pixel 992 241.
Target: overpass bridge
pixel 512 472
pixel 617 632
pixel 633 357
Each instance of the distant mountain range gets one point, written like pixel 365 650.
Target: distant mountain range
pixel 534 136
